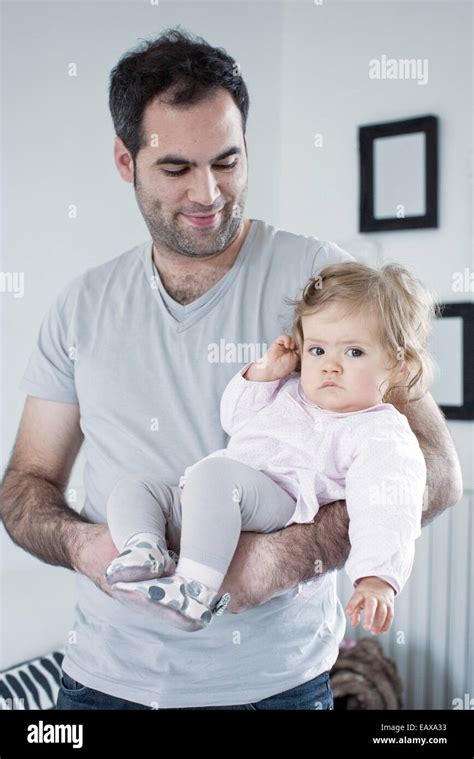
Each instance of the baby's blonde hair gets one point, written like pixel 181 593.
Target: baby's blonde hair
pixel 403 309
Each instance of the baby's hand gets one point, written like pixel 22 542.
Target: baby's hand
pixel 281 359
pixel 375 598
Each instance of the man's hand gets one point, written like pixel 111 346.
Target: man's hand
pixel 95 551
pixel 375 598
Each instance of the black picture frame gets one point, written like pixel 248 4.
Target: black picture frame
pixel 367 134
pixel 466 312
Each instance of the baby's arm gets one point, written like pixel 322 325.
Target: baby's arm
pixel 385 485
pixel 257 384
pixel 243 398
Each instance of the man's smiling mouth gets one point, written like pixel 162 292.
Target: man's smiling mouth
pixel 203 220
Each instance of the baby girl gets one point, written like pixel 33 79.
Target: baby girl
pixel 309 423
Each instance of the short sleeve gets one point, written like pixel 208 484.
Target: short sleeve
pixel 49 373
pixel 328 252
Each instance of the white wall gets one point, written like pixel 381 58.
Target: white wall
pixel 306 68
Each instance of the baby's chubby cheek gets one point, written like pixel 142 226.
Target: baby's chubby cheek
pixel 362 381
pixel 309 382
pixel 365 386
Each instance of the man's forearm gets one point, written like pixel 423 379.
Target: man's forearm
pixel 444 477
pixel 306 550
pixel 265 565
pixel 38 519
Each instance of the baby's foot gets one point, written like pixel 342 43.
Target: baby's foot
pixel 144 557
pixel 179 601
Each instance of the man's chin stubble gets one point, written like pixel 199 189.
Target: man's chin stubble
pixel 185 244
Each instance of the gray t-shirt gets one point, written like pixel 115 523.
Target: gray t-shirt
pixel 148 374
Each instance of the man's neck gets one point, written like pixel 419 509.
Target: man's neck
pixel 186 279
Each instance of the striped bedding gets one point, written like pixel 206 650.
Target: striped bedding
pixel 33 684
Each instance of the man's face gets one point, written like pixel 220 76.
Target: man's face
pixel 202 170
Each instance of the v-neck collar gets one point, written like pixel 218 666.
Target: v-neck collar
pixel 206 302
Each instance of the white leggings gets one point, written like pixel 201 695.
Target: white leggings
pixel 220 499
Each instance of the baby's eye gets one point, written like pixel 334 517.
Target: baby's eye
pixel 316 348
pixel 358 351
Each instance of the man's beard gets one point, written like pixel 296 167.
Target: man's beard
pixel 171 231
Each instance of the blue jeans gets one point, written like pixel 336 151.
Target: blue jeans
pixel 314 694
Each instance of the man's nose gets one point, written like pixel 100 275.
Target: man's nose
pixel 204 189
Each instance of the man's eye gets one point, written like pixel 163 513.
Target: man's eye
pixel 226 166
pixel 173 173
pixel 221 167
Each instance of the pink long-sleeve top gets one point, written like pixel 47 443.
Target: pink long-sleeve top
pixel 370 458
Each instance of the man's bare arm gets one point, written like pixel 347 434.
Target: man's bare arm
pixel 32 504
pixel 444 476
pixel 265 565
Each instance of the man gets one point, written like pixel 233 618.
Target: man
pixel 132 360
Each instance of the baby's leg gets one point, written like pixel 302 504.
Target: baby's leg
pixel 221 498
pixel 137 510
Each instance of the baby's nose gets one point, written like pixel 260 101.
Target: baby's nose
pixel 331 365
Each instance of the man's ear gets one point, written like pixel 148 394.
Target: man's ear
pixel 123 160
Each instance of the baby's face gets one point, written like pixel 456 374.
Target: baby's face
pixel 344 350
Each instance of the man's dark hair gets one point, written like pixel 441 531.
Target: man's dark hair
pixel 186 65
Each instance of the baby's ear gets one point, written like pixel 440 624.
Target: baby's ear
pixel 401 370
